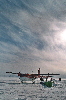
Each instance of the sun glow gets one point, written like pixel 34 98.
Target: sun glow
pixel 63 35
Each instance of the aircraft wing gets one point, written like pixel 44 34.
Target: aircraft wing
pixel 46 74
pixel 35 74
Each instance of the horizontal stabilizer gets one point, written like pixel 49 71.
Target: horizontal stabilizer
pixel 8 72
pixel 14 73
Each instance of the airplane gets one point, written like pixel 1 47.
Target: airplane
pixel 33 77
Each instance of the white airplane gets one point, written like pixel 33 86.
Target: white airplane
pixel 33 77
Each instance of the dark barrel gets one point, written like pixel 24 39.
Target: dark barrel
pixel 59 79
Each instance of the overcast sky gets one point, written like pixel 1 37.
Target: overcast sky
pixel 32 36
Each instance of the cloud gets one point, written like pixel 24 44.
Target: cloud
pixel 30 35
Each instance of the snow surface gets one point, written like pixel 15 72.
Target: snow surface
pixel 12 89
